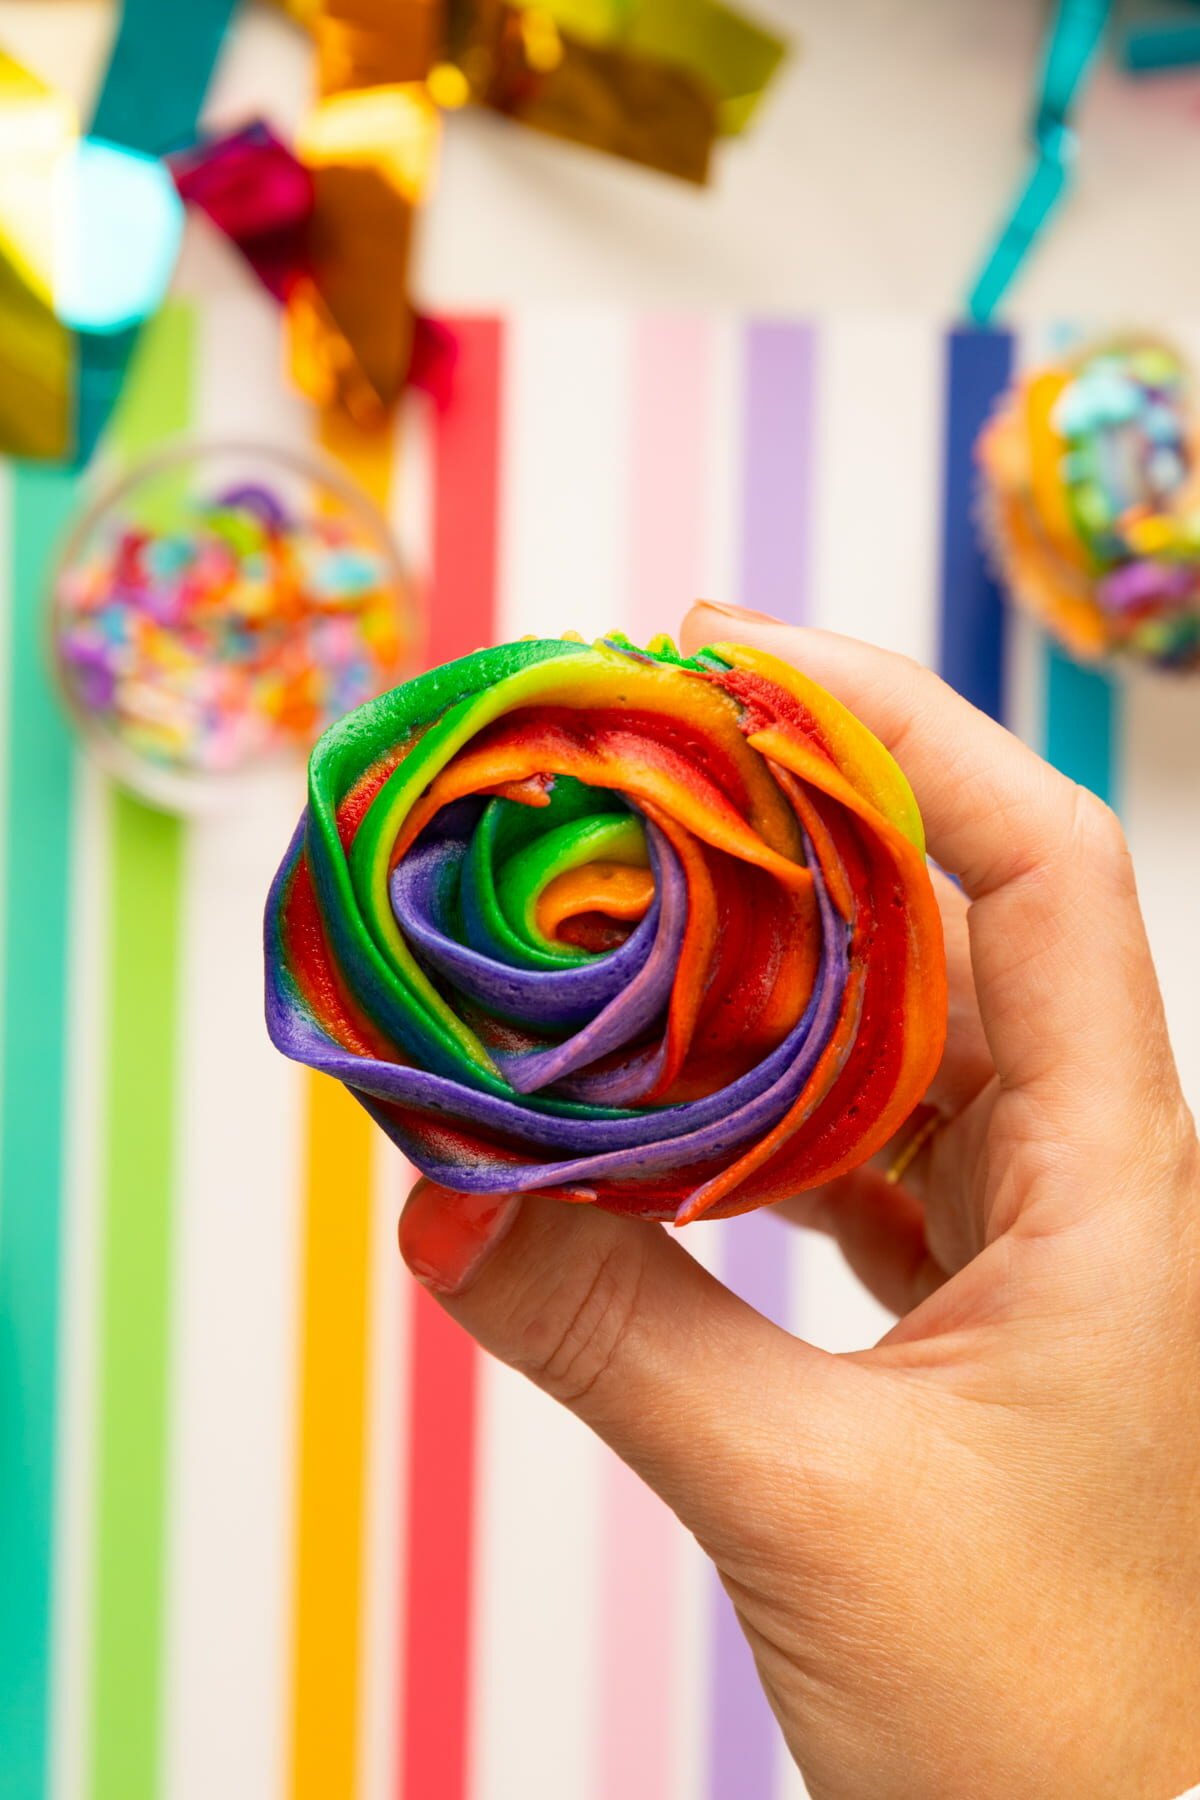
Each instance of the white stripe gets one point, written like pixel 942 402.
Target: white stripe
pixel 564 445
pixel 537 1619
pixel 410 509
pixel 723 459
pixel 878 482
pixel 833 1308
pixel 389 1378
pixel 236 1281
pixel 237 1245
pixel 690 1678
pixel 564 538
pixel 692 1674
pixel 386 1488
pixel 87 987
pixel 875 522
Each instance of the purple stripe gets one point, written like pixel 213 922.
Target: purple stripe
pixel 777 482
pixel 777 477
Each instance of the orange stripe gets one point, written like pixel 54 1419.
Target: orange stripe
pixel 330 1524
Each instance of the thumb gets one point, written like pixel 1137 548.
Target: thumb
pixel 700 1394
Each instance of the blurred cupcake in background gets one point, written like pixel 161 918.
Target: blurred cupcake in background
pixel 1091 502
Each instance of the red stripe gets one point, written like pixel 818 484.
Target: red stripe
pixel 462 590
pixel 435 1714
pixel 433 1761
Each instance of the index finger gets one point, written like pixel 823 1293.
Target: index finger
pixel 1062 967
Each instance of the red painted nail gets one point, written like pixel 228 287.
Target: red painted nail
pixel 446 1237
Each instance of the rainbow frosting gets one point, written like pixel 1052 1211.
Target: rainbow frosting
pixel 621 927
pixel 1092 503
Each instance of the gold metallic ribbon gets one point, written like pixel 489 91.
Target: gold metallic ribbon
pixel 652 81
pixel 37 128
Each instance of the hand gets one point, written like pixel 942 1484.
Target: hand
pixel 968 1560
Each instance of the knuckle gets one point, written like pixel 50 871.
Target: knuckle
pixel 573 1348
pixel 1095 831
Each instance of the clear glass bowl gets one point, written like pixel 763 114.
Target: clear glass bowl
pixel 214 609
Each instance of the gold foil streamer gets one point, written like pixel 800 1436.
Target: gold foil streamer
pixel 652 81
pixel 728 55
pixel 371 143
pixel 37 128
pixel 518 62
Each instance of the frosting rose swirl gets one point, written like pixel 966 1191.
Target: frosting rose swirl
pixel 618 926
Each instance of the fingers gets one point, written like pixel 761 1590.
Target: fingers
pixel 966 1065
pixel 1061 964
pixel 615 1320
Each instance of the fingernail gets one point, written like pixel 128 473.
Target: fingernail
pixel 446 1237
pixel 737 612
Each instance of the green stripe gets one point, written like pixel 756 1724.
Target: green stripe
pixel 140 1111
pixel 32 1079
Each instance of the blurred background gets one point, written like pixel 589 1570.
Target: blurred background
pixel 268 1527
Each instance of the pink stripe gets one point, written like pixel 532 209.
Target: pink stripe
pixel 639 1571
pixel 640 1540
pixel 671 366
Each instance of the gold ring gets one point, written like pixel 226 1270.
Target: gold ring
pixel 912 1146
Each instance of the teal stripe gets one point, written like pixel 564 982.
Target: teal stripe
pixel 32 1084
pixel 1083 723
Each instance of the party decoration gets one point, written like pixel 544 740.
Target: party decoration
pixel 1074 38
pixel 1092 502
pixel 256 191
pixel 37 127
pixel 205 620
pixel 370 154
pixel 328 229
pixel 150 98
pixel 654 82
pixel 625 928
pixel 90 225
pixel 1168 40
pixel 118 222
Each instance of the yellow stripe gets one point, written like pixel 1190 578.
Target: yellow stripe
pixel 326 1653
pixel 329 1547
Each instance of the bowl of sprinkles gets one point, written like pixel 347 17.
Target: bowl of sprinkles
pixel 216 609
pixel 1091 503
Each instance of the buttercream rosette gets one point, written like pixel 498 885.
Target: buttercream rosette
pixel 622 927
pixel 1091 502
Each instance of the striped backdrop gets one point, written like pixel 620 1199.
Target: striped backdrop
pixel 268 1526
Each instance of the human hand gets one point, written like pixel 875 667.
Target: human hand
pixel 967 1560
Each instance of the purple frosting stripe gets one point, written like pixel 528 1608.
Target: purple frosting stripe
pixel 538 997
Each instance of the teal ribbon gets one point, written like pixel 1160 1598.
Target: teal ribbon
pixel 1147 49
pixel 159 72
pixel 150 100
pixel 1075 37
